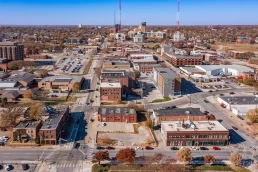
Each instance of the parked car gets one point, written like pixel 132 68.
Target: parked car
pixel 194 148
pixel 231 93
pixel 110 148
pixel 174 148
pixel 203 148
pixel 24 166
pixel 136 148
pixel 104 124
pixel 7 167
pixel 100 148
pixel 206 101
pixel 91 120
pixel 235 128
pixel 240 117
pixel 216 148
pixel 148 148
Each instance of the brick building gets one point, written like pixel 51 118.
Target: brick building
pixel 183 60
pixel 167 81
pixel 51 129
pixel 11 51
pixel 193 114
pixel 198 133
pixel 116 64
pixel 117 114
pixel 125 78
pixel 38 56
pixel 60 83
pixel 148 68
pixel 243 40
pixel 26 130
pixel 111 91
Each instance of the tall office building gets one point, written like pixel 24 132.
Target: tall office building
pixel 11 51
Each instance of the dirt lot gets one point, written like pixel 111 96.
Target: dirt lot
pixel 240 47
pixel 127 139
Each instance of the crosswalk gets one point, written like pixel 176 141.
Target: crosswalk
pixel 90 153
pixel 59 167
pixel 50 156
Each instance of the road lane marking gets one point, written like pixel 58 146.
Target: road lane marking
pixel 42 154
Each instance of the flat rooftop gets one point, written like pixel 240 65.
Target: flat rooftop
pixel 54 118
pixel 69 79
pixel 190 69
pixel 240 100
pixel 235 67
pixel 144 60
pixel 166 72
pixel 116 110
pixel 193 126
pixel 179 111
pixel 8 43
pixel 27 124
pixel 110 85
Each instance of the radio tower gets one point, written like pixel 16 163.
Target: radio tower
pixel 120 9
pixel 114 18
pixel 177 17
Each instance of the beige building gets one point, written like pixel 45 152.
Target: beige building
pixel 116 64
pixel 59 83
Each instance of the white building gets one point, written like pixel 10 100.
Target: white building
pixel 138 38
pixel 160 34
pixel 79 25
pixel 239 105
pixel 120 36
pixel 178 36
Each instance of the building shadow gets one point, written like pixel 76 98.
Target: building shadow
pixel 235 138
pixel 188 87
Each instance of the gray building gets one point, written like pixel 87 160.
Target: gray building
pixel 167 81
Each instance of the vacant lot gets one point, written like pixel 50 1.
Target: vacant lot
pixel 127 139
pixel 239 47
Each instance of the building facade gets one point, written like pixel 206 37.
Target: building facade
pixel 167 81
pixel 111 91
pixel 182 60
pixel 60 83
pixel 189 133
pixel 117 114
pixel 50 132
pixel 193 114
pixel 11 51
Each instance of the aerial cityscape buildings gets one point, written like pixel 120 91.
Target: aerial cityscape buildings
pixel 130 95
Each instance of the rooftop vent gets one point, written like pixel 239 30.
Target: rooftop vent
pixel 187 112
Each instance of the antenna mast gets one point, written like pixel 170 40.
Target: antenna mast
pixel 120 9
pixel 178 12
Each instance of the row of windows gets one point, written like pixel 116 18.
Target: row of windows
pixel 199 136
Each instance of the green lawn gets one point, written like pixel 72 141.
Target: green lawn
pixel 161 100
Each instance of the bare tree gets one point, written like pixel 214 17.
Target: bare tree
pixel 184 155
pixel 209 159
pixel 100 156
pixel 236 158
pixel 10 116
pixel 126 155
pixel 36 111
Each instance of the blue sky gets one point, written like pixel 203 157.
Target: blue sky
pixel 154 12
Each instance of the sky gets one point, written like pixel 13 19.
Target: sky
pixel 154 12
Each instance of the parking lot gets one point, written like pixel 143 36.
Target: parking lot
pixel 150 92
pixel 72 65
pixel 127 139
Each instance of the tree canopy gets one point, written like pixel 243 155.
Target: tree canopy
pixel 100 156
pixel 126 155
